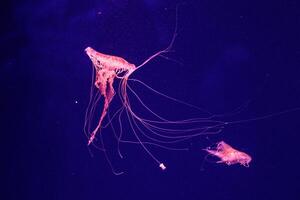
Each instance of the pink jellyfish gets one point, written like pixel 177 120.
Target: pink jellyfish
pixel 158 131
pixel 107 69
pixel 229 155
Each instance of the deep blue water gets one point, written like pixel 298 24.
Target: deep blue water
pixel 232 53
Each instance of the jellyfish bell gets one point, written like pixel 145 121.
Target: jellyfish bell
pixel 110 64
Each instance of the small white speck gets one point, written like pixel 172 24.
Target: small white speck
pixel 76 102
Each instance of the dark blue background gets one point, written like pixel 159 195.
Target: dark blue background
pixel 232 52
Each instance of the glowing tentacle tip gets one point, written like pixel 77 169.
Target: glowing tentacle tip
pixel 162 166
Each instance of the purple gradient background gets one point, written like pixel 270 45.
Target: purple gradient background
pixel 232 52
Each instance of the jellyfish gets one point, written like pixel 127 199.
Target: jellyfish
pixel 157 131
pixel 107 69
pixel 229 155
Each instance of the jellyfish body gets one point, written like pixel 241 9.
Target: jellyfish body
pixel 157 131
pixel 107 69
pixel 229 155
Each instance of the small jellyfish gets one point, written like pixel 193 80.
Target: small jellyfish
pixel 229 155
